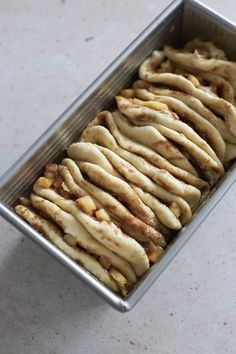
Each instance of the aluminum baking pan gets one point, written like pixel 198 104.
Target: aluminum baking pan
pixel 181 21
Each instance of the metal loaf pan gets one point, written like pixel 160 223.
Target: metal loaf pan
pixel 181 21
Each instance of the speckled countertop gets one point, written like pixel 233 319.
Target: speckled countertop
pixel 49 52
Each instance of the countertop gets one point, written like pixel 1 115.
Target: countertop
pixel 49 52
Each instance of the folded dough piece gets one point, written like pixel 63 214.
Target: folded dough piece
pixel 137 229
pixel 148 71
pixel 90 153
pixel 165 215
pixel 149 112
pixel 133 175
pixel 205 81
pixel 84 151
pixel 141 115
pixel 50 231
pixel 149 155
pixel 193 103
pixel 140 180
pixel 104 232
pixel 205 48
pixel 73 227
pixel 218 85
pixel 101 136
pixel 161 210
pixel 73 187
pixel 201 125
pixel 118 188
pixel 224 68
pixel 153 139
